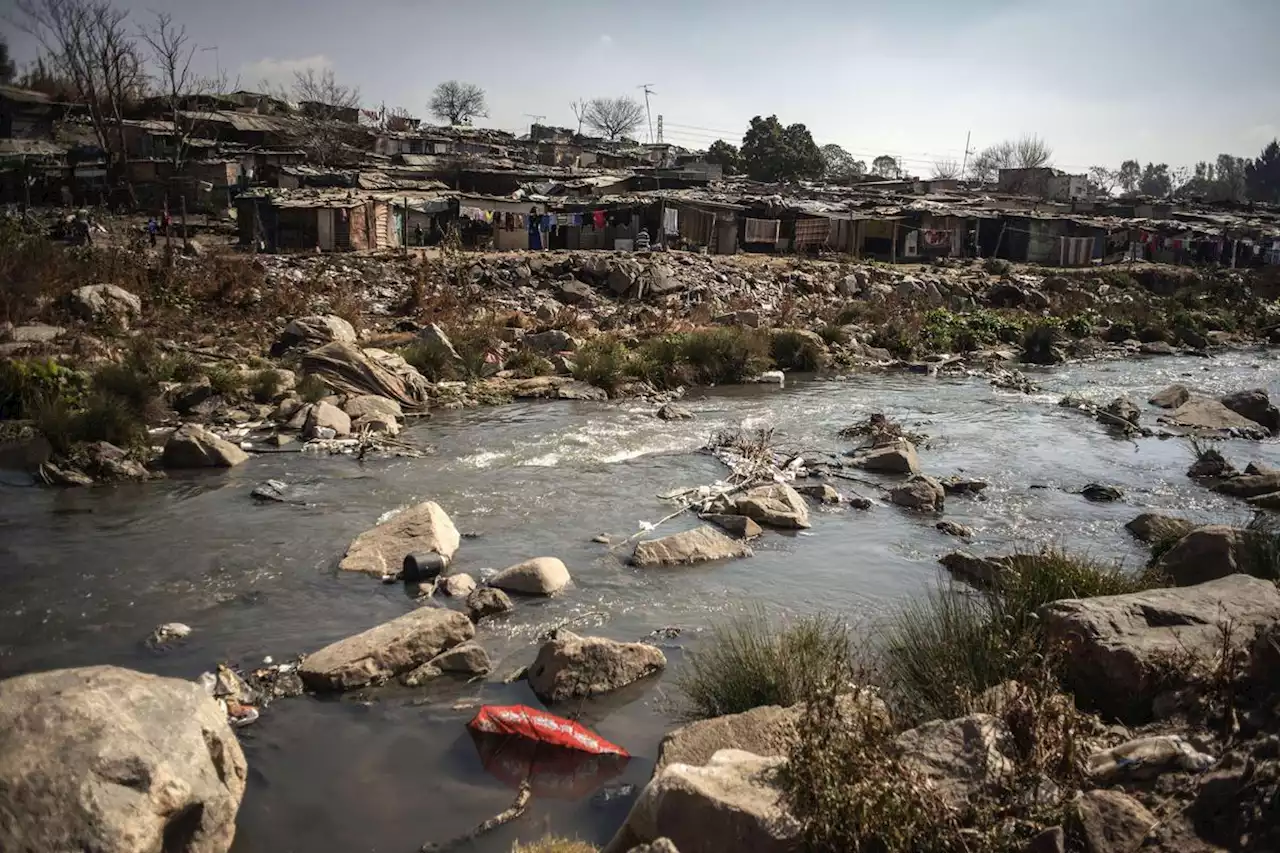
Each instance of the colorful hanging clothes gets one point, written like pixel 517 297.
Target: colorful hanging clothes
pixel 597 220
pixel 813 232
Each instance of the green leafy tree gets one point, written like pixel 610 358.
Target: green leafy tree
pixel 1156 180
pixel 1262 176
pixel 886 166
pixel 1129 175
pixel 771 152
pixel 1102 180
pixel 839 165
pixel 726 155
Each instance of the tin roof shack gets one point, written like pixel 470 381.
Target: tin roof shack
pixel 1043 182
pixel 307 220
pixel 320 111
pixel 32 171
pixel 25 114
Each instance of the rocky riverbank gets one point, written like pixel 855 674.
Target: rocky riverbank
pixel 335 353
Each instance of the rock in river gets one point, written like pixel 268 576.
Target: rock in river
pixel 1119 645
pixel 700 545
pixel 1208 553
pixel 920 492
pixel 738 525
pixel 570 666
pixel 1099 493
pixel 418 529
pixel 1153 527
pixel 539 576
pixel 487 601
pixel 1256 406
pixel 387 650
pixel 1204 414
pixel 896 458
pixel 674 412
pixel 193 446
pixel 1171 397
pixel 775 505
pixel 731 803
pixel 111 760
pixel 457 586
pixel 326 416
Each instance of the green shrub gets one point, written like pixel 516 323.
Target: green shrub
pixel 726 355
pixel 943 650
pixel 527 364
pixel 433 361
pixel 312 389
pixel 1038 343
pixel 1262 556
pixel 753 660
pixel 661 362
pixel 266 385
pixel 226 379
pixel 896 337
pixel 23 382
pixel 554 844
pixel 796 350
pixel 1078 326
pixel 129 382
pixel 834 334
pixel 602 362
pixel 109 418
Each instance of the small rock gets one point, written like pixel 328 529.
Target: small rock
pixel 468 658
pixel 326 417
pixel 980 572
pixel 434 336
pixel 1157 348
pixel 539 576
pixel 823 493
pixel 487 601
pixel 1256 406
pixel 1153 527
pixel 1121 409
pixel 1099 493
pixel 738 525
pixel 602 539
pixel 193 446
pixel 673 412
pixel 952 528
pixel 921 492
pixel 421 675
pixel 896 458
pixel 700 545
pixel 571 667
pixel 271 490
pixel 1171 397
pixel 960 757
pixel 962 485
pixel 777 505
pixel 457 586
pixel 387 650
pixel 1111 822
pixel 550 341
pixel 420 529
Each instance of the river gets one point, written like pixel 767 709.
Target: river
pixel 87 574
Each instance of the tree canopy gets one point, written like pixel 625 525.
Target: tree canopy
pixel 726 156
pixel 613 118
pixel 839 165
pixel 1029 152
pixel 457 103
pixel 1262 176
pixel 1129 175
pixel 771 152
pixel 7 68
pixel 1156 180
pixel 886 166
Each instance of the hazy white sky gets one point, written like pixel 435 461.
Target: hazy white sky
pixel 1100 80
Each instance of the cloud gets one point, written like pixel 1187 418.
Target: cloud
pixel 606 40
pixel 279 72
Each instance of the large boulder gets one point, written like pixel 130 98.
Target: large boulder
pixel 193 446
pixel 1119 646
pixel 326 416
pixel 1256 406
pixel 896 458
pixel 539 576
pixel 433 336
pixel 731 803
pixel 550 341
pixel 1171 397
pixel 1110 822
pixel 1201 413
pixel 961 758
pixel 570 666
pixel 105 303
pixel 313 331
pixel 1153 527
pixel 115 761
pixel 920 492
pixel 419 529
pixel 372 406
pixel 1208 553
pixel 387 650
pixel 1250 485
pixel 775 505
pixel 700 545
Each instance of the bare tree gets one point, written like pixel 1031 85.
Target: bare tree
pixel 172 52
pixel 399 119
pixel 1029 152
pixel 323 134
pixel 946 170
pixel 579 108
pixel 1032 152
pixel 90 44
pixel 458 103
pixel 614 117
pixel 1103 180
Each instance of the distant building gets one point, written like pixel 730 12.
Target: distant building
pixel 1043 182
pixel 25 114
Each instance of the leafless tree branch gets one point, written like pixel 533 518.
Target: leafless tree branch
pixel 613 117
pixel 457 103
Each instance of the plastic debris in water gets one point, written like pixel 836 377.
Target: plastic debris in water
pixel 531 724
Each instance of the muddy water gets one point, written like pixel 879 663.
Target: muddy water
pixel 85 575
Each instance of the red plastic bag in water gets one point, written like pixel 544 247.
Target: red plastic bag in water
pixel 530 723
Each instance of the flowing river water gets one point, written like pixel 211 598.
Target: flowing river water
pixel 86 574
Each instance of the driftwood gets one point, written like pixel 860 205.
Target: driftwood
pixel 518 807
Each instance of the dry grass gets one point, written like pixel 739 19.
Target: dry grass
pixel 554 844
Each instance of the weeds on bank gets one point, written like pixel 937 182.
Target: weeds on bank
pixel 753 660
pixel 792 349
pixel 554 844
pixel 603 362
pixel 266 385
pixel 311 389
pixel 526 364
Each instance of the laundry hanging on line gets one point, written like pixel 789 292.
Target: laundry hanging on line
pixel 811 232
pixel 761 231
pixel 670 221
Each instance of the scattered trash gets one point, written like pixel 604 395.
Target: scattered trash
pixel 422 567
pixel 267 660
pixel 541 727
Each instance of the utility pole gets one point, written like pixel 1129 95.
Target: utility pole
pixel 964 167
pixel 647 92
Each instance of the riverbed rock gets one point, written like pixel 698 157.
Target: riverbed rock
pixel 1250 485
pixel 313 331
pixel 674 412
pixel 960 757
pixel 487 601
pixel 1202 413
pixel 36 333
pixel 775 505
pixel 1211 464
pixel 106 759
pixel 574 292
pixel 468 658
pixel 105 303
pixel 954 528
pixel 1256 406
pixel 731 803
pixel 738 525
pixel 1171 397
pixel 193 446
pixel 372 406
pixel 1122 409
pixel 110 464
pixel 1100 493
pixel 921 492
pixel 1208 553
pixel 458 586
pixel 571 667
pixel 896 458
pixel 979 572
pixel 552 340
pixel 1153 527
pixel 385 651
pixel 1110 822
pixel 433 336
pixel 418 529
pixel 539 576
pixel 701 545
pixel 1120 645
pixel 326 416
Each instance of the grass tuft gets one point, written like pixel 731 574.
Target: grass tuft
pixel 554 844
pixel 603 362
pixel 311 389
pixel 796 350
pixel 266 385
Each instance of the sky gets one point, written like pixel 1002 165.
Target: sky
pixel 1101 81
